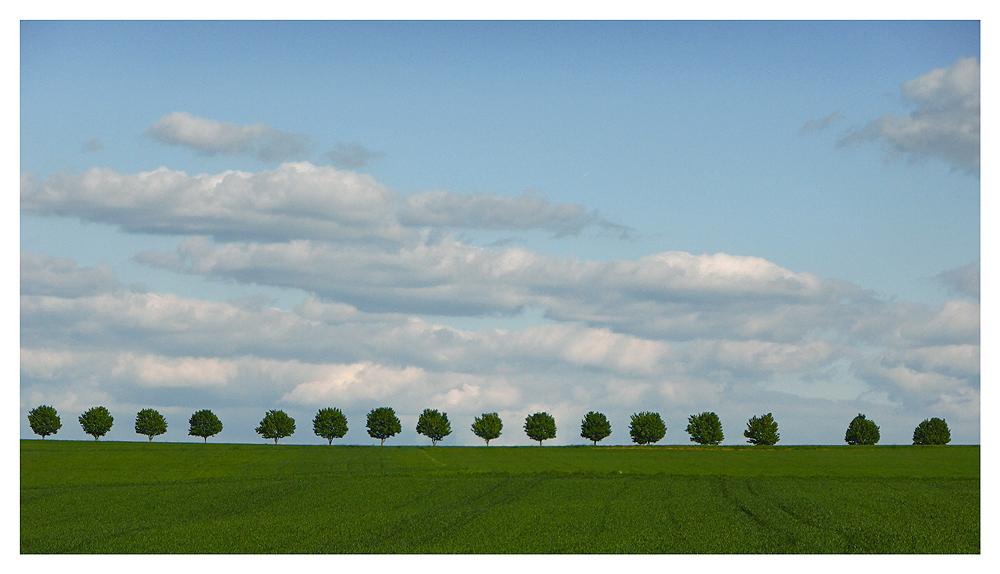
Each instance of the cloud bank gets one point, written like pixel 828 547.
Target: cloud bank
pixel 674 332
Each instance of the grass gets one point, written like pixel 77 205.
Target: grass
pixel 133 497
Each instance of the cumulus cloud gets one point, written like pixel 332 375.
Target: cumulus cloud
pixel 294 200
pixel 820 124
pixel 212 137
pixel 944 125
pixel 675 329
pixel 352 155
pixel 962 280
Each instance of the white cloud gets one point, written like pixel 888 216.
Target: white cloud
pixel 359 381
pixel 944 125
pixel 666 295
pixel 293 201
pixel 212 137
pixel 160 371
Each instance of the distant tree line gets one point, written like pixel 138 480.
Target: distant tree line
pixel 645 427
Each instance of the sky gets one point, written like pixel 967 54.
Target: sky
pixel 742 217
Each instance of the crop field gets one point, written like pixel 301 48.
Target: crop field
pixel 132 497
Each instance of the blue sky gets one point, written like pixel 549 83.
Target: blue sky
pixel 739 217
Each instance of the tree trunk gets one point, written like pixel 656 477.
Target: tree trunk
pixel 150 438
pixel 206 440
pixel 383 442
pixel 275 441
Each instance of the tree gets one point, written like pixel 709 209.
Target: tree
pixel 382 424
pixel 204 424
pixel 487 427
pixel 647 428
pixel 44 420
pixel 932 431
pixel 330 423
pixel 595 427
pixel 862 431
pixel 762 430
pixel 96 422
pixel 705 428
pixel 433 425
pixel 276 425
pixel 150 423
pixel 540 426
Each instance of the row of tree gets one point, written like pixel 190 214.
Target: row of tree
pixel 330 423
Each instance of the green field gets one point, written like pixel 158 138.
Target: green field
pixel 134 497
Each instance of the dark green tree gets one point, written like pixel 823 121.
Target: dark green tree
pixel 96 422
pixel 647 428
pixel 595 427
pixel 540 426
pixel 862 431
pixel 433 425
pixel 932 431
pixel 150 423
pixel 330 423
pixel 204 423
pixel 705 428
pixel 487 427
pixel 44 420
pixel 762 430
pixel 382 424
pixel 276 425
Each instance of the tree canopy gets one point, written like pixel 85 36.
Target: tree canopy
pixel 540 426
pixel 97 421
pixel 330 423
pixel 487 426
pixel 276 425
pixel 150 423
pixel 383 423
pixel 705 428
pixel 44 420
pixel 204 423
pixel 595 427
pixel 932 431
pixel 647 428
pixel 762 430
pixel 433 425
pixel 862 431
